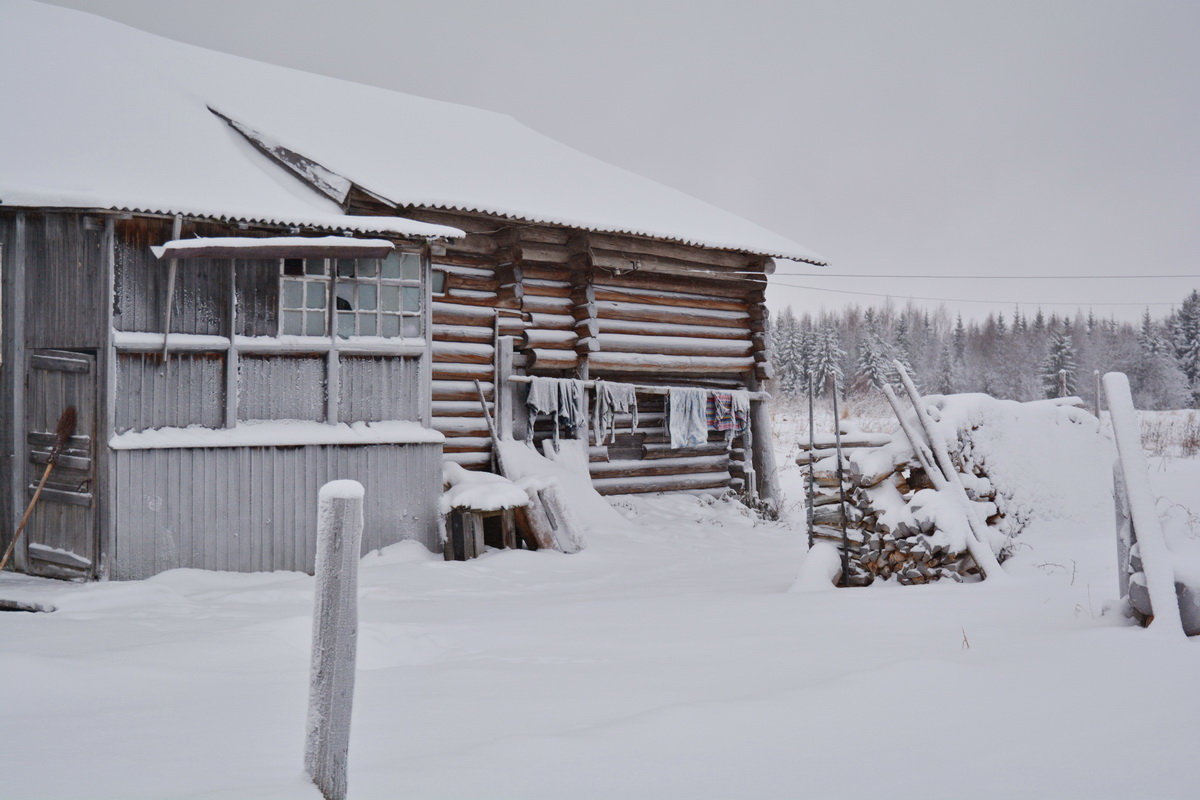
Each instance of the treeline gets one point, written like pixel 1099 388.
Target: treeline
pixel 1010 355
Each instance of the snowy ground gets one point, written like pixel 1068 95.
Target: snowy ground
pixel 668 660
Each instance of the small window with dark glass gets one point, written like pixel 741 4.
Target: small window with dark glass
pixel 371 296
pixel 304 297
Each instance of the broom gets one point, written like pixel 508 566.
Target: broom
pixel 63 432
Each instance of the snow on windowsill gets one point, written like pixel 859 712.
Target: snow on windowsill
pixel 248 243
pixel 278 433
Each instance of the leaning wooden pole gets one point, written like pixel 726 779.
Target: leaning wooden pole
pixel 915 440
pixel 812 474
pixel 335 636
pixel 1157 567
pixel 63 432
pixel 977 541
pixel 837 444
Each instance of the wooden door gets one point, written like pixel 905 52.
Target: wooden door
pixel 60 537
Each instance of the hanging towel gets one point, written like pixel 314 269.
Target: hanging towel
pixel 720 416
pixel 572 404
pixel 543 399
pixel 687 419
pixel 611 399
pixel 741 409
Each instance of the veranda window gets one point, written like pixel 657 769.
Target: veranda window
pixel 373 297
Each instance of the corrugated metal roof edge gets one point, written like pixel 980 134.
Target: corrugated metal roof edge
pixel 807 258
pixel 332 222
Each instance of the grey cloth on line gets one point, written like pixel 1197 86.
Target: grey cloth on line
pixel 741 412
pixel 563 398
pixel 612 399
pixel 543 399
pixel 688 418
pixel 572 402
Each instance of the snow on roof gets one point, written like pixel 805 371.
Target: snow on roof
pixel 143 138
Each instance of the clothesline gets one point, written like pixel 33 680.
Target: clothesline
pixel 649 389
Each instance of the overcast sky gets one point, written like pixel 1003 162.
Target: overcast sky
pixel 944 138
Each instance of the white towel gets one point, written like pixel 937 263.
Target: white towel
pixel 688 420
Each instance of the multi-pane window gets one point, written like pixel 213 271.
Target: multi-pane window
pixel 304 297
pixel 371 296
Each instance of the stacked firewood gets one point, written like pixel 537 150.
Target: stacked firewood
pixel 892 529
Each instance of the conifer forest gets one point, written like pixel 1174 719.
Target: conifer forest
pixel 1017 355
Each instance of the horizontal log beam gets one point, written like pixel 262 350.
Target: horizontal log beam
pixel 673 365
pixel 672 345
pixel 451 371
pixel 661 483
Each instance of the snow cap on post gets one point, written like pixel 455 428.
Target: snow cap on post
pixel 347 489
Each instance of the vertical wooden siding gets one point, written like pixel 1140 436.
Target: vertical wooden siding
pixel 377 388
pixel 65 278
pixel 149 388
pixel 254 509
pixel 281 387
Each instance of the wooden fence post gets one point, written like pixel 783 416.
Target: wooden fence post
pixel 1146 530
pixel 335 635
pixel 503 391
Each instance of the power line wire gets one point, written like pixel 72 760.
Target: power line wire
pixel 967 300
pixel 985 277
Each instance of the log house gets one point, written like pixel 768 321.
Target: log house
pixel 501 254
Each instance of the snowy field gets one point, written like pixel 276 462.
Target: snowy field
pixel 668 660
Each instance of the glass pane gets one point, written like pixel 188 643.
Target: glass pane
pixel 366 296
pixel 293 266
pixel 366 324
pixel 411 266
pixel 314 266
pixel 293 323
pixel 314 323
pixel 293 294
pixel 345 297
pixel 389 298
pixel 368 267
pixel 345 267
pixel 412 298
pixel 389 325
pixel 345 324
pixel 439 281
pixel 391 265
pixel 314 295
pixel 412 327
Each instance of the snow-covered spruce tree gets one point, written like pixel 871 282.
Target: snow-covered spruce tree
pixel 827 356
pixel 1150 339
pixel 901 349
pixel 874 366
pixel 1059 364
pixel 785 352
pixel 1185 339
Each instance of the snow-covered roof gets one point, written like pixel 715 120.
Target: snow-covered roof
pixel 107 116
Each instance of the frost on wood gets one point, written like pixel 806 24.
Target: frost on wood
pixel 335 634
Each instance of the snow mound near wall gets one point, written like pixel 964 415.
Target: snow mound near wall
pixel 1047 460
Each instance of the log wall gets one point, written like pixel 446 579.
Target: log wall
pixel 620 308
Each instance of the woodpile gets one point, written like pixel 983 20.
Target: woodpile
pixel 889 533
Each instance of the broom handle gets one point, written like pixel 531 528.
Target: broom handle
pixel 25 517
